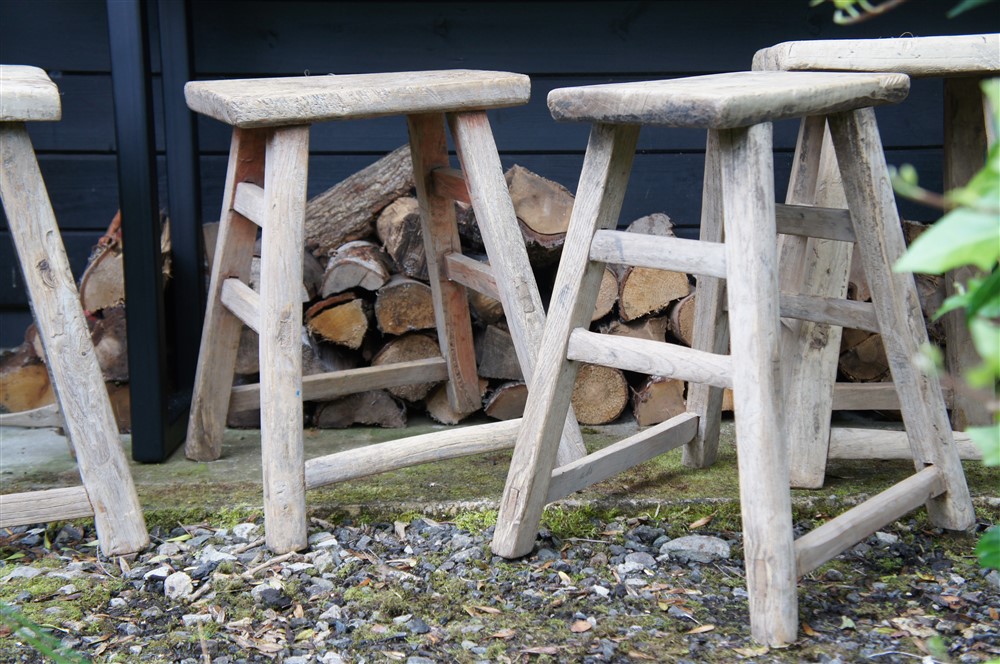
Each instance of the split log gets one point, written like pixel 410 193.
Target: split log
pixel 347 211
pixel 862 357
pixel 358 264
pixel 120 397
pixel 682 319
pixel 439 407
pixel 543 208
pixel 399 230
pixel 657 399
pixel 373 408
pixel 607 296
pixel 496 356
pixel 110 344
pixel 644 291
pixel 653 328
pixel 103 282
pixel 507 401
pixel 485 309
pixel 248 353
pixel 412 346
pixel 342 319
pixel 404 305
pixel 24 381
pixel 600 394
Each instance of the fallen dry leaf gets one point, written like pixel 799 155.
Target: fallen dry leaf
pixel 700 629
pixel 703 521
pixel 505 634
pixel 808 630
pixel 581 626
pixel 492 610
pixel 394 655
pixel 752 652
pixel 565 578
pixel 635 654
pixel 542 650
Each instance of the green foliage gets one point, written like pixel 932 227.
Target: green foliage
pixel 36 636
pixel 970 235
pixel 849 12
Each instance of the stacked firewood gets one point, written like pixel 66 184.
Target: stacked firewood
pixel 367 302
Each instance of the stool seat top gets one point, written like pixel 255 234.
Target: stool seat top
pixel 269 102
pixel 961 55
pixel 27 94
pixel 725 101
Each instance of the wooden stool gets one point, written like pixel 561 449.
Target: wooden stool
pixel 819 267
pixel 739 190
pixel 107 493
pixel 266 186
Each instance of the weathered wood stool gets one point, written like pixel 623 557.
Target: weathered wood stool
pixel 737 110
pixel 266 187
pixel 107 492
pixel 821 267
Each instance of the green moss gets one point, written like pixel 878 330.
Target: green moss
pixel 476 521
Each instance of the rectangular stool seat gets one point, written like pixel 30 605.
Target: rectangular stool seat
pixel 27 94
pixel 963 55
pixel 272 102
pixel 726 101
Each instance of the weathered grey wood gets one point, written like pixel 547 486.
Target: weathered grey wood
pixel 412 451
pixel 825 542
pixel 270 102
pixel 880 243
pixel 285 175
pixel 598 202
pixel 960 55
pixel 514 278
pixel 44 416
pixel 710 330
pixel 762 447
pixel 964 150
pixel 243 302
pixel 814 221
pixel 721 101
pixel 339 383
pixel 471 273
pixel 619 457
pixel 816 268
pixel 830 311
pixel 872 396
pixel 20 509
pixel 70 358
pixel 658 252
pixel 428 145
pixel 859 444
pixel 29 95
pixel 220 336
pixel 651 357
pixel 250 201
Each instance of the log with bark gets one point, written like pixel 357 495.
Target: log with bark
pixel 372 408
pixel 404 305
pixel 543 208
pixel 356 264
pixel 412 346
pixel 506 401
pixel 399 231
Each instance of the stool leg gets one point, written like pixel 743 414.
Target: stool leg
pixel 816 267
pixel 285 176
pixel 70 357
pixel 711 325
pixel 477 153
pixel 880 242
pixel 220 337
pixel 964 148
pixel 429 147
pixel 762 450
pixel 598 202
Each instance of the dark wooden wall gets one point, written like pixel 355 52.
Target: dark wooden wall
pixel 557 43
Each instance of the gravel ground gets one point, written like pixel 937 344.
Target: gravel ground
pixel 626 586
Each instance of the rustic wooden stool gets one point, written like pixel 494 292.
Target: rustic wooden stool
pixel 266 187
pixel 107 493
pixel 819 267
pixel 737 110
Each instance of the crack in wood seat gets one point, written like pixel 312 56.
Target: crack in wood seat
pixel 107 492
pixel 736 264
pixel 820 268
pixel 266 192
pixel 273 102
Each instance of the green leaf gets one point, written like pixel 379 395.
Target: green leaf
pixel 988 549
pixel 847 623
pixel 987 439
pixel 961 237
pixel 965 6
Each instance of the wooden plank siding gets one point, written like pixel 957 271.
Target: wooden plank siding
pixel 557 43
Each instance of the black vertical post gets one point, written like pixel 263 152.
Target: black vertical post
pixel 137 192
pixel 186 295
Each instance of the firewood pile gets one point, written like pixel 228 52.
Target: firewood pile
pixel 367 302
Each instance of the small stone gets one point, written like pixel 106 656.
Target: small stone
pixel 332 613
pixel 418 626
pixel 169 549
pixel 272 598
pixel 298 659
pixel 210 555
pixel 416 659
pixel 600 591
pixel 697 548
pixel 641 558
pixel 886 539
pixel 547 554
pixel 245 531
pixel 158 574
pixel 331 658
pixel 833 575
pixel 22 572
pixel 68 589
pixel 117 603
pixel 178 586
pixel 195 619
